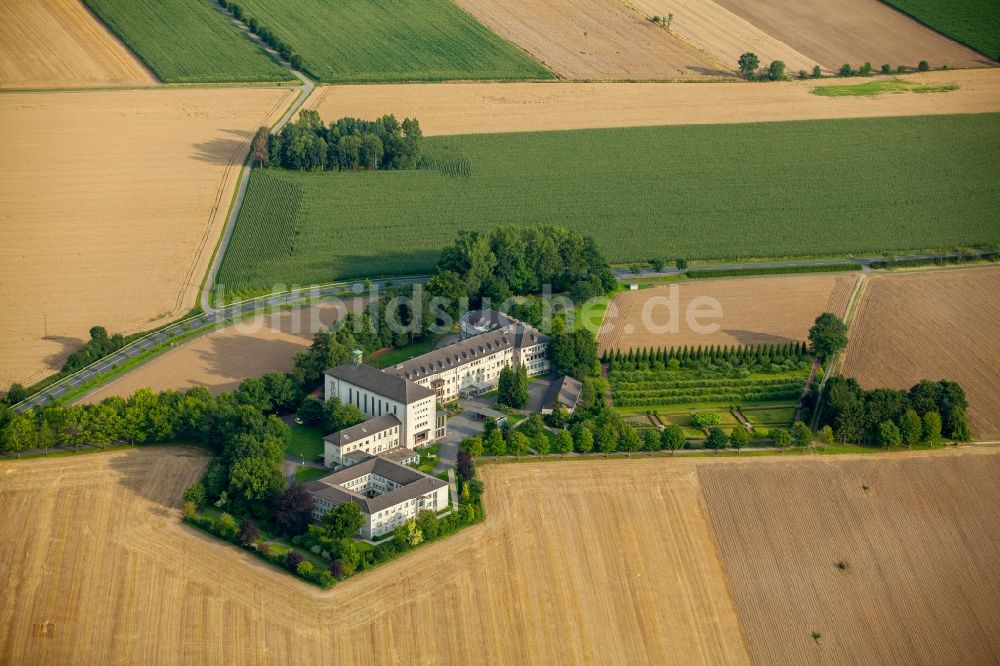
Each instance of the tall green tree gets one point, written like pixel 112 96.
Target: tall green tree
pixel 748 63
pixel 888 435
pixel 910 428
pixel 739 438
pixel 343 521
pixel 828 335
pixel 564 442
pixel 672 438
pixel 931 426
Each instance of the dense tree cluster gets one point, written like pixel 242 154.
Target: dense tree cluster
pixel 749 357
pixel 572 353
pixel 888 417
pixel 348 144
pixel 517 261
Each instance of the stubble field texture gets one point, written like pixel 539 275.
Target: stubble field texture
pixel 853 32
pixel 972 22
pixel 188 41
pixel 932 325
pixel 107 573
pixel 59 44
pixel 759 310
pixel 392 40
pixel 596 40
pixel 473 108
pixel 110 217
pixel 915 533
pixel 699 192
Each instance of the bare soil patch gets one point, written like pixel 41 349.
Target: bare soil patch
pixel 932 325
pixel 471 108
pixel 595 39
pixel 759 310
pixel 918 545
pixel 59 43
pixel 221 360
pixel 853 32
pixel 107 563
pixel 112 204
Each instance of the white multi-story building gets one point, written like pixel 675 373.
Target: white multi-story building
pixel 373 437
pixel 387 492
pixel 472 366
pixel 376 393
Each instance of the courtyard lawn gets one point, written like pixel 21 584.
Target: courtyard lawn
pixel 306 474
pixel 306 442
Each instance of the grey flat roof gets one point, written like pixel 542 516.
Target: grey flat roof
pixel 384 384
pixel 468 350
pixel 414 484
pixel 362 430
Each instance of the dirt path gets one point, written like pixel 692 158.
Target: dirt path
pixel 471 108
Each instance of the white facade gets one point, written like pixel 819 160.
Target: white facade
pixel 359 439
pixel 417 418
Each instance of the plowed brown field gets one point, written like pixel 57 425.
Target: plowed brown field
pixel 919 546
pixel 932 325
pixel 221 360
pixel 469 108
pixel 595 39
pixel 760 310
pixel 102 571
pixel 59 44
pixel 832 33
pixel 111 206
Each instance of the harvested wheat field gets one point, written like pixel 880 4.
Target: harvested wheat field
pixel 473 108
pixel 853 32
pixel 759 310
pixel 595 39
pixel 722 33
pixel 221 360
pixel 107 574
pixel 919 546
pixel 59 44
pixel 932 325
pixel 111 207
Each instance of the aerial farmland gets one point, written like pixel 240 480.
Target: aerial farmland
pixel 500 332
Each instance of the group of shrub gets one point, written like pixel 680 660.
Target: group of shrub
pixel 889 418
pixel 749 357
pixel 266 36
pixel 348 144
pixel 749 66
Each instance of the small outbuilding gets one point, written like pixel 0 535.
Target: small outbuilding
pixel 566 391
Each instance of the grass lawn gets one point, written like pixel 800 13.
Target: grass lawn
pixel 975 23
pixel 362 41
pixel 873 88
pixel 428 464
pixel 712 192
pixel 306 474
pixel 306 442
pixel 187 41
pixel 769 416
pixel 405 353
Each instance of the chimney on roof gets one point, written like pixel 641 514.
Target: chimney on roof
pixel 357 355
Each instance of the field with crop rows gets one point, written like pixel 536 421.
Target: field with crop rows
pixel 706 191
pixel 820 554
pixel 975 23
pixel 187 41
pixel 393 40
pixel 643 388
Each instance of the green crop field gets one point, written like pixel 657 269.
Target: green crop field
pixel 187 41
pixel 391 40
pixel 875 88
pixel 701 192
pixel 975 23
